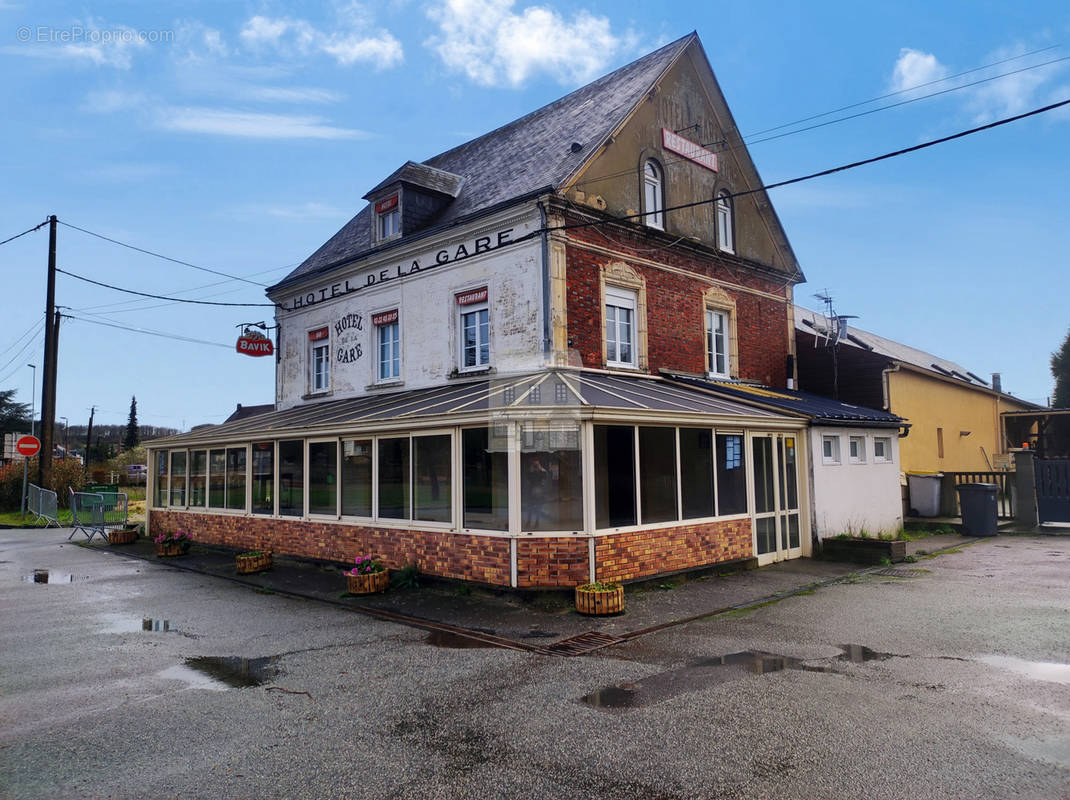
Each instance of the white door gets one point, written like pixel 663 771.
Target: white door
pixel 775 467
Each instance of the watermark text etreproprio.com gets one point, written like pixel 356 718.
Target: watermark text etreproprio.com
pixel 76 34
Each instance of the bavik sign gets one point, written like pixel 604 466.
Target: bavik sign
pixel 254 343
pixel 28 446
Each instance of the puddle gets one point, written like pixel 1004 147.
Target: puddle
pixel 704 672
pixel 454 640
pixel 50 576
pixel 117 623
pixel 192 678
pixel 1037 670
pixel 234 671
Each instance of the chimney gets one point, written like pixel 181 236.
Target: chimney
pixel 997 384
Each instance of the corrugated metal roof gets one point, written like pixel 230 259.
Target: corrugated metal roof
pixel 820 410
pixel 550 391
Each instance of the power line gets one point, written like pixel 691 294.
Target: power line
pixel 159 296
pixel 30 330
pixel 901 91
pixel 172 336
pixel 19 355
pixel 17 235
pixel 161 256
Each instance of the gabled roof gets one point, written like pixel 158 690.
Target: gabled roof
pixel 820 410
pixel 534 153
pixel 244 412
pixel 425 177
pixel 816 324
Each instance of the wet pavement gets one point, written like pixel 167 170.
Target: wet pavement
pixel 944 678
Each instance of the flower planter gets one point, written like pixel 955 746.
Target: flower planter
pixel 599 602
pixel 248 563
pixel 864 551
pixel 170 550
pixel 122 535
pixel 369 583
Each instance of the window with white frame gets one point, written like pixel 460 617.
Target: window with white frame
pixel 474 329
pixel 830 449
pixel 319 360
pixel 387 218
pixel 388 345
pixel 882 449
pixel 717 343
pixel 856 449
pixel 724 223
pixel 653 195
pixel 620 327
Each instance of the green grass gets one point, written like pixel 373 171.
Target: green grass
pixel 15 518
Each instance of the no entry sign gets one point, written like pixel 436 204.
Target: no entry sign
pixel 28 445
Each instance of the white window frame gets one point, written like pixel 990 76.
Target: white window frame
pixel 725 233
pixel 464 311
pixel 627 300
pixel 885 442
pixel 393 215
pixel 712 315
pixel 654 194
pixel 314 346
pixel 856 449
pixel 396 356
pixel 833 455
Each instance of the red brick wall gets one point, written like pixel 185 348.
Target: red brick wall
pixel 483 559
pixel 551 562
pixel 675 311
pixel 641 554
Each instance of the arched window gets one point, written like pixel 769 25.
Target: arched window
pixel 653 197
pixel 724 222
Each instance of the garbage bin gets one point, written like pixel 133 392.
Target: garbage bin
pixel 980 513
pixel 925 493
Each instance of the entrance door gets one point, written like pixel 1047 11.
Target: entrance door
pixel 776 497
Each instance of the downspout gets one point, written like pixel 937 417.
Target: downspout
pixel 547 343
pixel 886 389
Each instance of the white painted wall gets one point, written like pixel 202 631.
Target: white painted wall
pixel 849 498
pixel 428 312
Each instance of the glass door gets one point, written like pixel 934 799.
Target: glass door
pixel 775 467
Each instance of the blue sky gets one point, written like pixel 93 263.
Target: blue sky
pixel 240 135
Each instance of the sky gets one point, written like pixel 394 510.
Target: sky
pixel 239 136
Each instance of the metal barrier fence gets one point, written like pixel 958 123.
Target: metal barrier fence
pixel 43 504
pixel 96 512
pixel 1004 497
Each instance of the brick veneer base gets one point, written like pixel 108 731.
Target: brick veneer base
pixel 541 563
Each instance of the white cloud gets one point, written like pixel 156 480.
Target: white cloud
pixel 248 124
pixel 495 46
pixel 915 68
pixel 88 43
pixel 1012 94
pixel 301 212
pixel 354 41
pixel 107 101
pixel 291 94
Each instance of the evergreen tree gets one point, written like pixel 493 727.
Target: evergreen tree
pixel 1060 370
pixel 132 438
pixel 14 417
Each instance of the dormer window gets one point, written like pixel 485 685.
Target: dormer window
pixel 387 218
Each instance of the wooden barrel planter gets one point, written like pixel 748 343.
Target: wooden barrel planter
pixel 369 583
pixel 248 563
pixel 122 535
pixel 169 550
pixel 600 599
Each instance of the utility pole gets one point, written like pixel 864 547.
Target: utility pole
pixel 48 384
pixel 88 439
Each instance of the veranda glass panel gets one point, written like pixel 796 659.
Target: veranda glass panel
pixel 357 478
pixel 614 475
pixel 486 480
pixel 394 478
pixel 765 528
pixel 236 478
pixel 432 495
pixel 764 499
pixel 217 478
pixel 161 491
pixel 731 475
pixel 178 478
pixel 657 474
pixel 551 480
pixel 696 473
pixel 263 478
pixel 292 478
pixel 323 478
pixel 198 473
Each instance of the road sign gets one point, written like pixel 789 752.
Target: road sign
pixel 28 446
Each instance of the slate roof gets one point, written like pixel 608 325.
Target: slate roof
pixel 436 180
pixel 581 389
pixel 527 156
pixel 243 412
pixel 815 323
pixel 820 410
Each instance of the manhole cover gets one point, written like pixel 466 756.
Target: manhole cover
pixel 899 572
pixel 583 643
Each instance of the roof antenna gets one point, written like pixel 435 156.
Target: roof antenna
pixel 834 331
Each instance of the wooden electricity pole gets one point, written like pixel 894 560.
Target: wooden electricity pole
pixel 48 385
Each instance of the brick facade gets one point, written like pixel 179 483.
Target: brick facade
pixel 552 562
pixel 483 559
pixel 675 308
pixel 642 554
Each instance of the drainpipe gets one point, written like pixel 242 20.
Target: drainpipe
pixel 547 343
pixel 884 385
